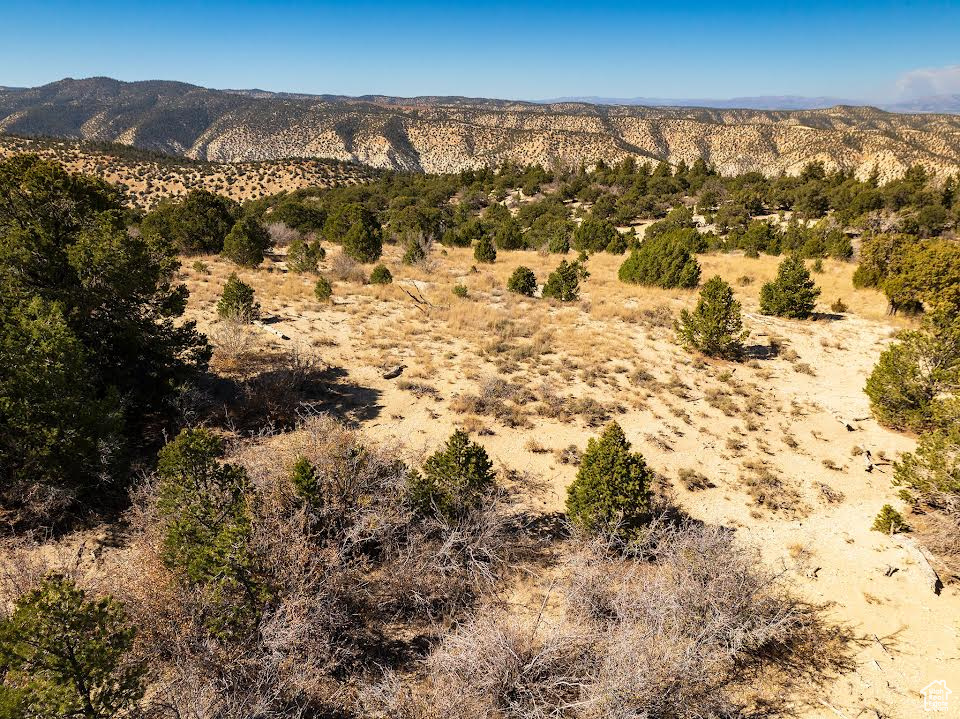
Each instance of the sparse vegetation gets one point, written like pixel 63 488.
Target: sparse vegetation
pixel 611 492
pixel 715 327
pixel 237 301
pixel 792 294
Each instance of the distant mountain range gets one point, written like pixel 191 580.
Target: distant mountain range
pixel 438 134
pixel 933 103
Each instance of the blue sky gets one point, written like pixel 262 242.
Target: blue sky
pixel 524 50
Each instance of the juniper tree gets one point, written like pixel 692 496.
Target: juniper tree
pixel 363 241
pixel 66 655
pixel 198 223
pixel 485 251
pixel 917 375
pixel 523 281
pixel 202 502
pixel 564 282
pixel 246 242
pixel 611 492
pixel 454 478
pixel 304 256
pixel 380 275
pixel 237 301
pixel 661 261
pixel 715 327
pixel 322 290
pixel 792 294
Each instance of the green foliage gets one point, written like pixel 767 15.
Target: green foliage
pixel 792 294
pixel 305 256
pixel 839 306
pixel 198 223
pixel 380 275
pixel 484 250
pixel 65 655
pixel 202 267
pixel 933 470
pixel 414 253
pixel 358 230
pixel 508 236
pixel 889 521
pixel 915 376
pixel 301 216
pixel 618 245
pixel 564 282
pixel 203 505
pixel 460 291
pixel 523 281
pixel 559 243
pixel 611 492
pixel 927 273
pixel 454 479
pixel 237 301
pixel 323 290
pixel 56 429
pixel 661 261
pixel 89 325
pixel 715 327
pixel 246 242
pixel 594 235
pixel 304 478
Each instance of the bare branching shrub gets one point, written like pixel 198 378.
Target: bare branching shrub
pixel 345 269
pixel 684 627
pixel 231 342
pixel 281 234
pixel 497 667
pixel 351 572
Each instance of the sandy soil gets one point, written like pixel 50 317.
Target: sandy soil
pixel 769 434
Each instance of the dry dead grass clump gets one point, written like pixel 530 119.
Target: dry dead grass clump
pixel 693 480
pixel 683 628
pixel 498 398
pixel 593 412
pixel 767 489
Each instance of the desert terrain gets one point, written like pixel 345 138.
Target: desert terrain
pixel 772 447
pixel 147 178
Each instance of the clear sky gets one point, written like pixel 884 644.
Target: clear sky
pixel 523 50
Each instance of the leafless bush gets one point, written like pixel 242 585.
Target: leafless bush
pixel 680 629
pixel 346 269
pixel 231 341
pixel 277 394
pixel 496 667
pixel 281 234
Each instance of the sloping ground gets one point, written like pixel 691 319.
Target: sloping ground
pixel 451 134
pixel 769 435
pixel 149 178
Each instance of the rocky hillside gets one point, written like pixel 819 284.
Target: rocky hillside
pixel 148 177
pixel 437 134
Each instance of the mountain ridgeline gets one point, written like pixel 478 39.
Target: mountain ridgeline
pixel 444 134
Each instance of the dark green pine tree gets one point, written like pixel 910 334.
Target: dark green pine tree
pixel 715 327
pixel 792 294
